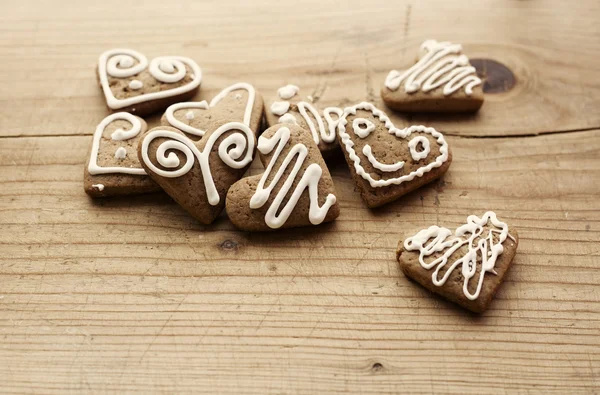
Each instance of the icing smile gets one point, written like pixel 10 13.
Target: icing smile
pixel 381 166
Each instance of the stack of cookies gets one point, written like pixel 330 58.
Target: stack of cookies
pixel 202 150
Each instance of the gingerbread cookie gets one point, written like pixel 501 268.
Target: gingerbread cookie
pixel 442 80
pixel 296 188
pixel 239 102
pixel 387 162
pixel 113 167
pixel 467 267
pixel 132 84
pixel 289 108
pixel 197 174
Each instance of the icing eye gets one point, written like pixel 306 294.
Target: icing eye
pixel 362 127
pixel 419 148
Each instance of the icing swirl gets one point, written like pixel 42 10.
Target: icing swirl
pixel 117 135
pixel 230 151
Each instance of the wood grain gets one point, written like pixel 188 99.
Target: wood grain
pixel 133 295
pixel 338 54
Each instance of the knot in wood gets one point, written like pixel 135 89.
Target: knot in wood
pixel 497 77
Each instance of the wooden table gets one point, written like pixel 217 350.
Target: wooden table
pixel 132 295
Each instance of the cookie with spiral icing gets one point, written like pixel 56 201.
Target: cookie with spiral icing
pixel 295 189
pixel 113 167
pixel 441 80
pixel 133 84
pixel 203 148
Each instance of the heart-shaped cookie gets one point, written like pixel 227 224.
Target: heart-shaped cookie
pixel 132 84
pixel 113 167
pixel 214 142
pixel 237 103
pixel 197 174
pixel 442 80
pixel 289 108
pixel 387 162
pixel 466 267
pixel 296 188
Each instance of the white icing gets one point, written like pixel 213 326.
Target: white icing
pixel 325 134
pixel 280 107
pixel 331 123
pixel 249 104
pixel 230 151
pixel 359 130
pixel 400 133
pixel 302 107
pixel 120 153
pixel 167 69
pixel 288 118
pixel 125 62
pixel 288 91
pixel 170 113
pixel 378 165
pixel 486 249
pixel 136 127
pixel 120 134
pixel 309 113
pixel 99 187
pixel 442 64
pixel 414 143
pixel 310 98
pixel 136 84
pixel 238 96
pixel 310 179
pixel 189 115
pixel 119 63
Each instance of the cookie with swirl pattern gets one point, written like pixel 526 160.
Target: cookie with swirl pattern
pixel 203 148
pixel 112 166
pixel 133 84
pixel 441 80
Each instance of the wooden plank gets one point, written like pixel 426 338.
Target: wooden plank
pixel 340 54
pixel 134 295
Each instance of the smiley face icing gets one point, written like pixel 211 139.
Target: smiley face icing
pixel 466 266
pixel 130 83
pixel 290 108
pixel 387 162
pixel 442 80
pixel 113 167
